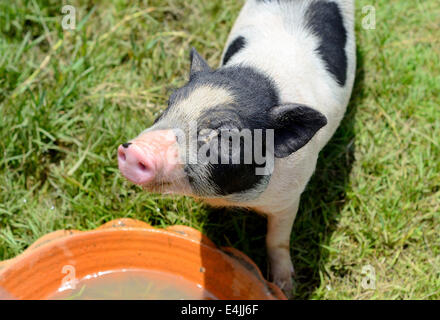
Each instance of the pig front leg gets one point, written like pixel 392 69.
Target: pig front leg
pixel 279 228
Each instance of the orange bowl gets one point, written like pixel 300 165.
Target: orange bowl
pixel 130 244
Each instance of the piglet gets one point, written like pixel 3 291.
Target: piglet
pixel 248 133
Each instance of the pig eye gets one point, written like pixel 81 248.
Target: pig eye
pixel 206 135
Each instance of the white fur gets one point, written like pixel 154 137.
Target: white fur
pixel 191 107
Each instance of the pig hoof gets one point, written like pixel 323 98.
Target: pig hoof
pixel 284 280
pixel 286 285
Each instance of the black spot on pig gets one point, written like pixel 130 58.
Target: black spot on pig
pixel 325 20
pixel 238 44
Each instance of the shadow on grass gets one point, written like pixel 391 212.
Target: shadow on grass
pixel 321 203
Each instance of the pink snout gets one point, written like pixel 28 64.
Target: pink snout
pixel 148 157
pixel 136 165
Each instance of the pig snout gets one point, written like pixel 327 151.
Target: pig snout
pixel 150 158
pixel 135 164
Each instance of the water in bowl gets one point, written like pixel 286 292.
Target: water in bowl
pixel 132 285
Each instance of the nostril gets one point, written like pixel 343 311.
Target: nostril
pixel 121 155
pixel 142 166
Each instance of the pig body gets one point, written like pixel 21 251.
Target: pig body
pixel 288 66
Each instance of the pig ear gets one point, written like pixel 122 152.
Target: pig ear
pixel 198 64
pixel 294 126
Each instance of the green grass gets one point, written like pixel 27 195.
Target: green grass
pixel 67 99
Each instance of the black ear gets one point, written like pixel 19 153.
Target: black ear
pixel 294 125
pixel 198 64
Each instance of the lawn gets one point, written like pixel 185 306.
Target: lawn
pixel 68 98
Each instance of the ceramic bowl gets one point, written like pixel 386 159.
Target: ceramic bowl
pixel 130 244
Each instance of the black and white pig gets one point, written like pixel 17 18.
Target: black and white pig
pixel 288 68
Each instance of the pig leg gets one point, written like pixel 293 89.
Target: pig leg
pixel 279 227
